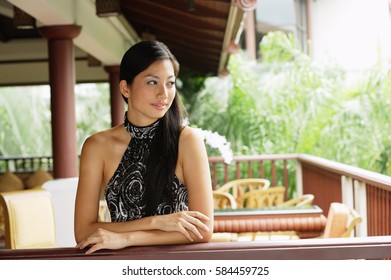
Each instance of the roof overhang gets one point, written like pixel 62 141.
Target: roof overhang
pixel 204 48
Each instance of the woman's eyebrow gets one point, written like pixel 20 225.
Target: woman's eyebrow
pixel 150 76
pixel 157 77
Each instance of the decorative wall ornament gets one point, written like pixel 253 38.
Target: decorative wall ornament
pixel 245 5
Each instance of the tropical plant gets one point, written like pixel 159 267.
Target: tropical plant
pixel 288 103
pixel 25 118
pixel 284 103
pixel 25 121
pixel 92 110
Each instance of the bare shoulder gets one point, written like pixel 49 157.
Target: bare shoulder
pixel 191 141
pixel 98 139
pixel 101 140
pixel 190 134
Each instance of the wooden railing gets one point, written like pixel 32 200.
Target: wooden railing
pixel 273 167
pixel 367 192
pixel 304 249
pixel 279 169
pixel 378 247
pixel 24 166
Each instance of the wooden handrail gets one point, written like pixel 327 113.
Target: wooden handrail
pixel 255 158
pixel 378 247
pixel 373 178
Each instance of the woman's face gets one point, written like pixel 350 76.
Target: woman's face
pixel 151 93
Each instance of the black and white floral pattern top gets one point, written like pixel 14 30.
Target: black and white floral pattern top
pixel 125 190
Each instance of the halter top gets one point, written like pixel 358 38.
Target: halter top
pixel 125 190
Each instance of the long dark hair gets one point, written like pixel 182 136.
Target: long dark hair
pixel 163 156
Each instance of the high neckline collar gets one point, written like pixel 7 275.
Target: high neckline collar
pixel 140 132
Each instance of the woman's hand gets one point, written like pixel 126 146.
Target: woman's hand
pixel 185 222
pixel 103 239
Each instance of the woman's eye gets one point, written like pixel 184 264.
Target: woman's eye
pixel 152 82
pixel 171 84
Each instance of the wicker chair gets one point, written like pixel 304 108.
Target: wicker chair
pixel 272 197
pixel 223 200
pixel 240 186
pixel 262 198
pixel 303 200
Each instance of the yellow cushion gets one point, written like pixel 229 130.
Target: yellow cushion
pixel 276 235
pixel 337 219
pixel 10 182
pixel 33 222
pixel 38 178
pixel 246 236
pixel 224 237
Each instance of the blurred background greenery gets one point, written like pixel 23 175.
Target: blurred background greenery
pixel 283 103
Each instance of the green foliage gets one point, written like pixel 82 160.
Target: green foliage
pixel 290 104
pixel 24 121
pixel 285 104
pixel 189 83
pixel 25 118
pixel 280 47
pixel 92 110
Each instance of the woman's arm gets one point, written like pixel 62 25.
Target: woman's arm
pixel 190 225
pixel 196 175
pixel 88 195
pixel 104 239
pixel 193 170
pixel 89 186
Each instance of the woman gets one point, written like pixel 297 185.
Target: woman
pixel 153 168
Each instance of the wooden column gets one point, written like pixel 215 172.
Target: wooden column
pixel 117 103
pixel 250 35
pixel 248 6
pixel 62 83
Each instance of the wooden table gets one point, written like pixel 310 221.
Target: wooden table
pixel 307 221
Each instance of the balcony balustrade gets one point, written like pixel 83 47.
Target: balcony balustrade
pixel 367 192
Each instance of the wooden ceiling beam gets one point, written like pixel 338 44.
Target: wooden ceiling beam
pixel 175 16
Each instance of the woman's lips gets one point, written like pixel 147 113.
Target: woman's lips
pixel 159 105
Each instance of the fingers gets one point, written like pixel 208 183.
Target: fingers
pixel 185 232
pixel 191 222
pixel 95 240
pixel 194 218
pixel 188 227
pixel 94 248
pixel 87 242
pixel 194 225
pixel 198 215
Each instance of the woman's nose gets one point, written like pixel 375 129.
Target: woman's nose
pixel 163 92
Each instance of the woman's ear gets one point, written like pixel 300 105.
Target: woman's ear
pixel 123 87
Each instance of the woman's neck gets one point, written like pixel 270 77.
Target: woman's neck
pixel 139 121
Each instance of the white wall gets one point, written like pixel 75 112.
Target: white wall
pixel 357 33
pixel 277 13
